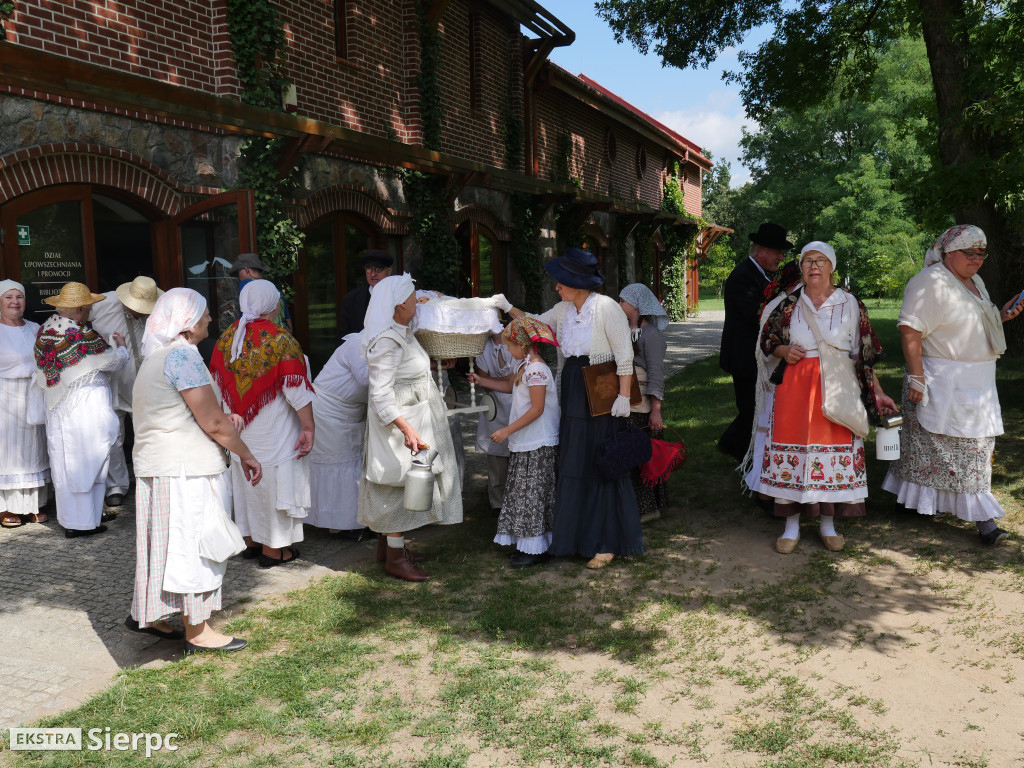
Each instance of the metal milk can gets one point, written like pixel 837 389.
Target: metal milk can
pixel 419 480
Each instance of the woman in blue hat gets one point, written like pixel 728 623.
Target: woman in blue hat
pixel 594 517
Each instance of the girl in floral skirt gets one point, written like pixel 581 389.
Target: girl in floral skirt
pixel 528 509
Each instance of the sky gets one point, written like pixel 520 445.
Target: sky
pixel 693 102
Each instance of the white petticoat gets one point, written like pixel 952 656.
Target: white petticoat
pixel 929 501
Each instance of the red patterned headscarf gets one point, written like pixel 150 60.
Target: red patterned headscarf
pixel 526 331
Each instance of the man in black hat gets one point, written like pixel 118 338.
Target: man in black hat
pixel 377 265
pixel 743 292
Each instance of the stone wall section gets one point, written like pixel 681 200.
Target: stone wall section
pixel 191 158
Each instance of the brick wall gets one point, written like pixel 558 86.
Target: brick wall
pixel 476 130
pixel 366 90
pixel 558 112
pixel 174 41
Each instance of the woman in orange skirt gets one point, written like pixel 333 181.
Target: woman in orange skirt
pixel 811 465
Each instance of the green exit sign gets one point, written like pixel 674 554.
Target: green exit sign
pixel 24 237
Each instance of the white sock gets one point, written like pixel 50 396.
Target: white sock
pixel 827 526
pixel 398 542
pixel 792 528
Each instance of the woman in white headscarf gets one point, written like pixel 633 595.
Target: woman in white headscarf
pixel 181 477
pixel 262 376
pixel 24 465
pixel 405 411
pixel 952 335
pixel 647 319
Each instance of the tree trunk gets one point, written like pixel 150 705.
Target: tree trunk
pixel 944 26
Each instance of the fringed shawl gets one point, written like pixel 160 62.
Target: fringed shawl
pixel 270 360
pixel 776 333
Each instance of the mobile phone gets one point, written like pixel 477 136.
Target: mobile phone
pixel 1016 301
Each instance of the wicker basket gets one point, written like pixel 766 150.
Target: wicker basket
pixel 445 346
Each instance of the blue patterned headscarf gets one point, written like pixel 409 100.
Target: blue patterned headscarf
pixel 641 297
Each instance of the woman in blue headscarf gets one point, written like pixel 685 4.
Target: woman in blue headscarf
pixel 647 319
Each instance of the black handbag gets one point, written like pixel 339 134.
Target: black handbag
pixel 621 452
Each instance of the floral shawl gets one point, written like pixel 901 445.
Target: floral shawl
pixel 776 333
pixel 270 360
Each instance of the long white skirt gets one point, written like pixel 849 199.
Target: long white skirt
pixel 79 433
pixel 24 465
pixel 336 463
pixel 272 513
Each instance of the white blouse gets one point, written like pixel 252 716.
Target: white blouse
pixel 17 361
pixel 838 320
pixel 544 429
pixel 388 361
pixel 577 327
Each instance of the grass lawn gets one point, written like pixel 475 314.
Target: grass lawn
pixel 903 650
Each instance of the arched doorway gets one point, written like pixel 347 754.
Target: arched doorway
pixel 76 232
pixel 329 267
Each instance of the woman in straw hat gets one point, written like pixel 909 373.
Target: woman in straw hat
pixel 124 311
pixel 24 466
pixel 73 368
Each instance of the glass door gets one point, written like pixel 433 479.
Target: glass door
pixel 206 238
pixel 48 242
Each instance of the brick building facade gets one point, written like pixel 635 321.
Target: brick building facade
pixel 121 127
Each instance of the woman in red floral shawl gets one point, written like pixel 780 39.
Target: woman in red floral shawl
pixel 262 376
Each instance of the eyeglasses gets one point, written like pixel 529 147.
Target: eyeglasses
pixel 976 254
pixel 815 262
pixel 376 270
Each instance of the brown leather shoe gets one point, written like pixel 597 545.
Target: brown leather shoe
pixel 399 564
pixel 382 548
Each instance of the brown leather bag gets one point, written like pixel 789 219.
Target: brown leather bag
pixel 602 385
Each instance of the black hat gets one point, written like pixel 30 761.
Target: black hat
pixel 771 236
pixel 575 268
pixel 375 258
pixel 247 260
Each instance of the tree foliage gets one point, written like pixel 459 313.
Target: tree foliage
pixel 822 50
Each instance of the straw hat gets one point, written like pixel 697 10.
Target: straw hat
pixel 140 294
pixel 73 295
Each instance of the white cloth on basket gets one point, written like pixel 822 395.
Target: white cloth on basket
pixel 451 315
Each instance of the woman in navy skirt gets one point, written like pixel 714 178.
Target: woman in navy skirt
pixel 594 517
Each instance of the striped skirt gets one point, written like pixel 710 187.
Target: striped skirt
pixel 150 602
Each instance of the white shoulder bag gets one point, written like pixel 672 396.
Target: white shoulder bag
pixel 840 388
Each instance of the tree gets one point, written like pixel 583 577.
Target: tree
pixel 818 45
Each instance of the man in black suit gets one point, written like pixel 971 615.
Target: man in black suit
pixel 377 265
pixel 743 292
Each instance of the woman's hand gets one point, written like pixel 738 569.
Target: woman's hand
pixel 413 441
pixel 252 470
pixel 791 353
pixel 304 444
pixel 499 436
pixel 1012 308
pixel 885 404
pixel 656 421
pixel 118 339
pixel 237 421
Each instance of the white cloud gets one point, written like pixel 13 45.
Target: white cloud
pixel 715 126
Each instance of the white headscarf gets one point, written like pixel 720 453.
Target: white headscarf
pixel 955 239
pixel 9 285
pixel 821 247
pixel 175 311
pixel 380 315
pixel 258 297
